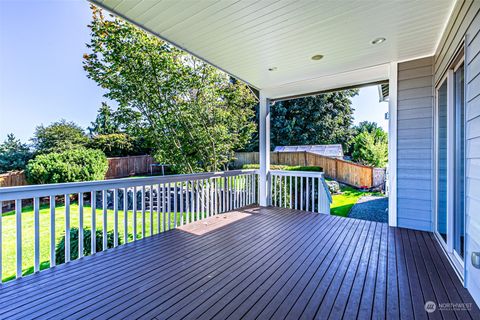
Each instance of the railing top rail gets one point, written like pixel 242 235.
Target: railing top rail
pixel 26 192
pixel 309 174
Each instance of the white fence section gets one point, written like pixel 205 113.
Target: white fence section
pixel 301 190
pixel 163 202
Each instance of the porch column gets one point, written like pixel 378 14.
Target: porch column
pixel 264 149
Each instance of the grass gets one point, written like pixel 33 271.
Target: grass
pixel 9 238
pixel 342 203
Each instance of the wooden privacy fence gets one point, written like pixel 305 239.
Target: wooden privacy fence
pixel 14 178
pixel 129 166
pixel 340 170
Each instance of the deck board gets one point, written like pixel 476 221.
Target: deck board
pixel 271 264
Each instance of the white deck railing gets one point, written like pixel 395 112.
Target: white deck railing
pixel 300 190
pixel 175 200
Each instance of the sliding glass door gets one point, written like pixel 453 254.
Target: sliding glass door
pixel 450 162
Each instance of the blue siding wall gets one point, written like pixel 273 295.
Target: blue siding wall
pixel 415 144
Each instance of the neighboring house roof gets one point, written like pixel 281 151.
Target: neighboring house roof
pixel 328 150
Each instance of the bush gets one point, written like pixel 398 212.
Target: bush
pixel 87 244
pixel 68 166
pixel 113 145
pixel 284 167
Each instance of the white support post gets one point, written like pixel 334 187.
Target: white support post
pixel 392 145
pixel 264 148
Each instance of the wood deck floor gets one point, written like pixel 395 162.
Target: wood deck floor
pixel 273 263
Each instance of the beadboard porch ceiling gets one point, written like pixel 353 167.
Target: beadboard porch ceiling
pixel 247 38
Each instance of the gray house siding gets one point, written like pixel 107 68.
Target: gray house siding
pixel 465 24
pixel 415 144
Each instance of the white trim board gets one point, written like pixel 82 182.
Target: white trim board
pixel 392 144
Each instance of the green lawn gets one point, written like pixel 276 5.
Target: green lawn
pixel 342 203
pixel 9 225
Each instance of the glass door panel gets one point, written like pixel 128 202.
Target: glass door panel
pixel 459 170
pixel 442 110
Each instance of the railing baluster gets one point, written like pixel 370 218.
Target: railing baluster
pixel 158 209
pixel 169 211
pixel 150 202
pixel 93 232
pixel 280 191
pixel 52 231
pixel 290 192
pixel 164 206
pixel 80 224
pixel 313 195
pixel 307 193
pixel 134 222
pixel 296 193
pixel 125 215
pixel 18 220
pixel 115 217
pixel 181 203
pixel 144 204
pixel 67 228
pixel 197 196
pixel 301 193
pixel 175 190
pixel 285 192
pixel 104 216
pixel 36 223
pixel 319 194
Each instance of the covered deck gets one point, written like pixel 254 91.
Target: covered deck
pixel 250 263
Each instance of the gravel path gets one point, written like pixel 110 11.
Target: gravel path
pixel 370 208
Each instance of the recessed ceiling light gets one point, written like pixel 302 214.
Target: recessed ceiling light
pixel 378 40
pixel 317 57
pixel 272 69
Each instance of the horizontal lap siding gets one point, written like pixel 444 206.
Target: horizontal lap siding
pixel 465 24
pixel 415 144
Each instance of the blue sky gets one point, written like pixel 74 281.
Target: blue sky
pixel 41 74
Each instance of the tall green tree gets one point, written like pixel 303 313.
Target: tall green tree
pixel 322 119
pixel 105 122
pixel 14 154
pixel 59 136
pixel 371 147
pixel 195 116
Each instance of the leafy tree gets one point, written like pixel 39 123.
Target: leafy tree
pixel 371 148
pixel 366 126
pixel 193 114
pixel 59 136
pixel 14 154
pixel 105 122
pixel 322 119
pixel 113 145
pixel 72 165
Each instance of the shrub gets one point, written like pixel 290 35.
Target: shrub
pixel 113 145
pixel 87 243
pixel 284 167
pixel 69 166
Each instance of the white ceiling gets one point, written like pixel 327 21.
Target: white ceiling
pixel 246 38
